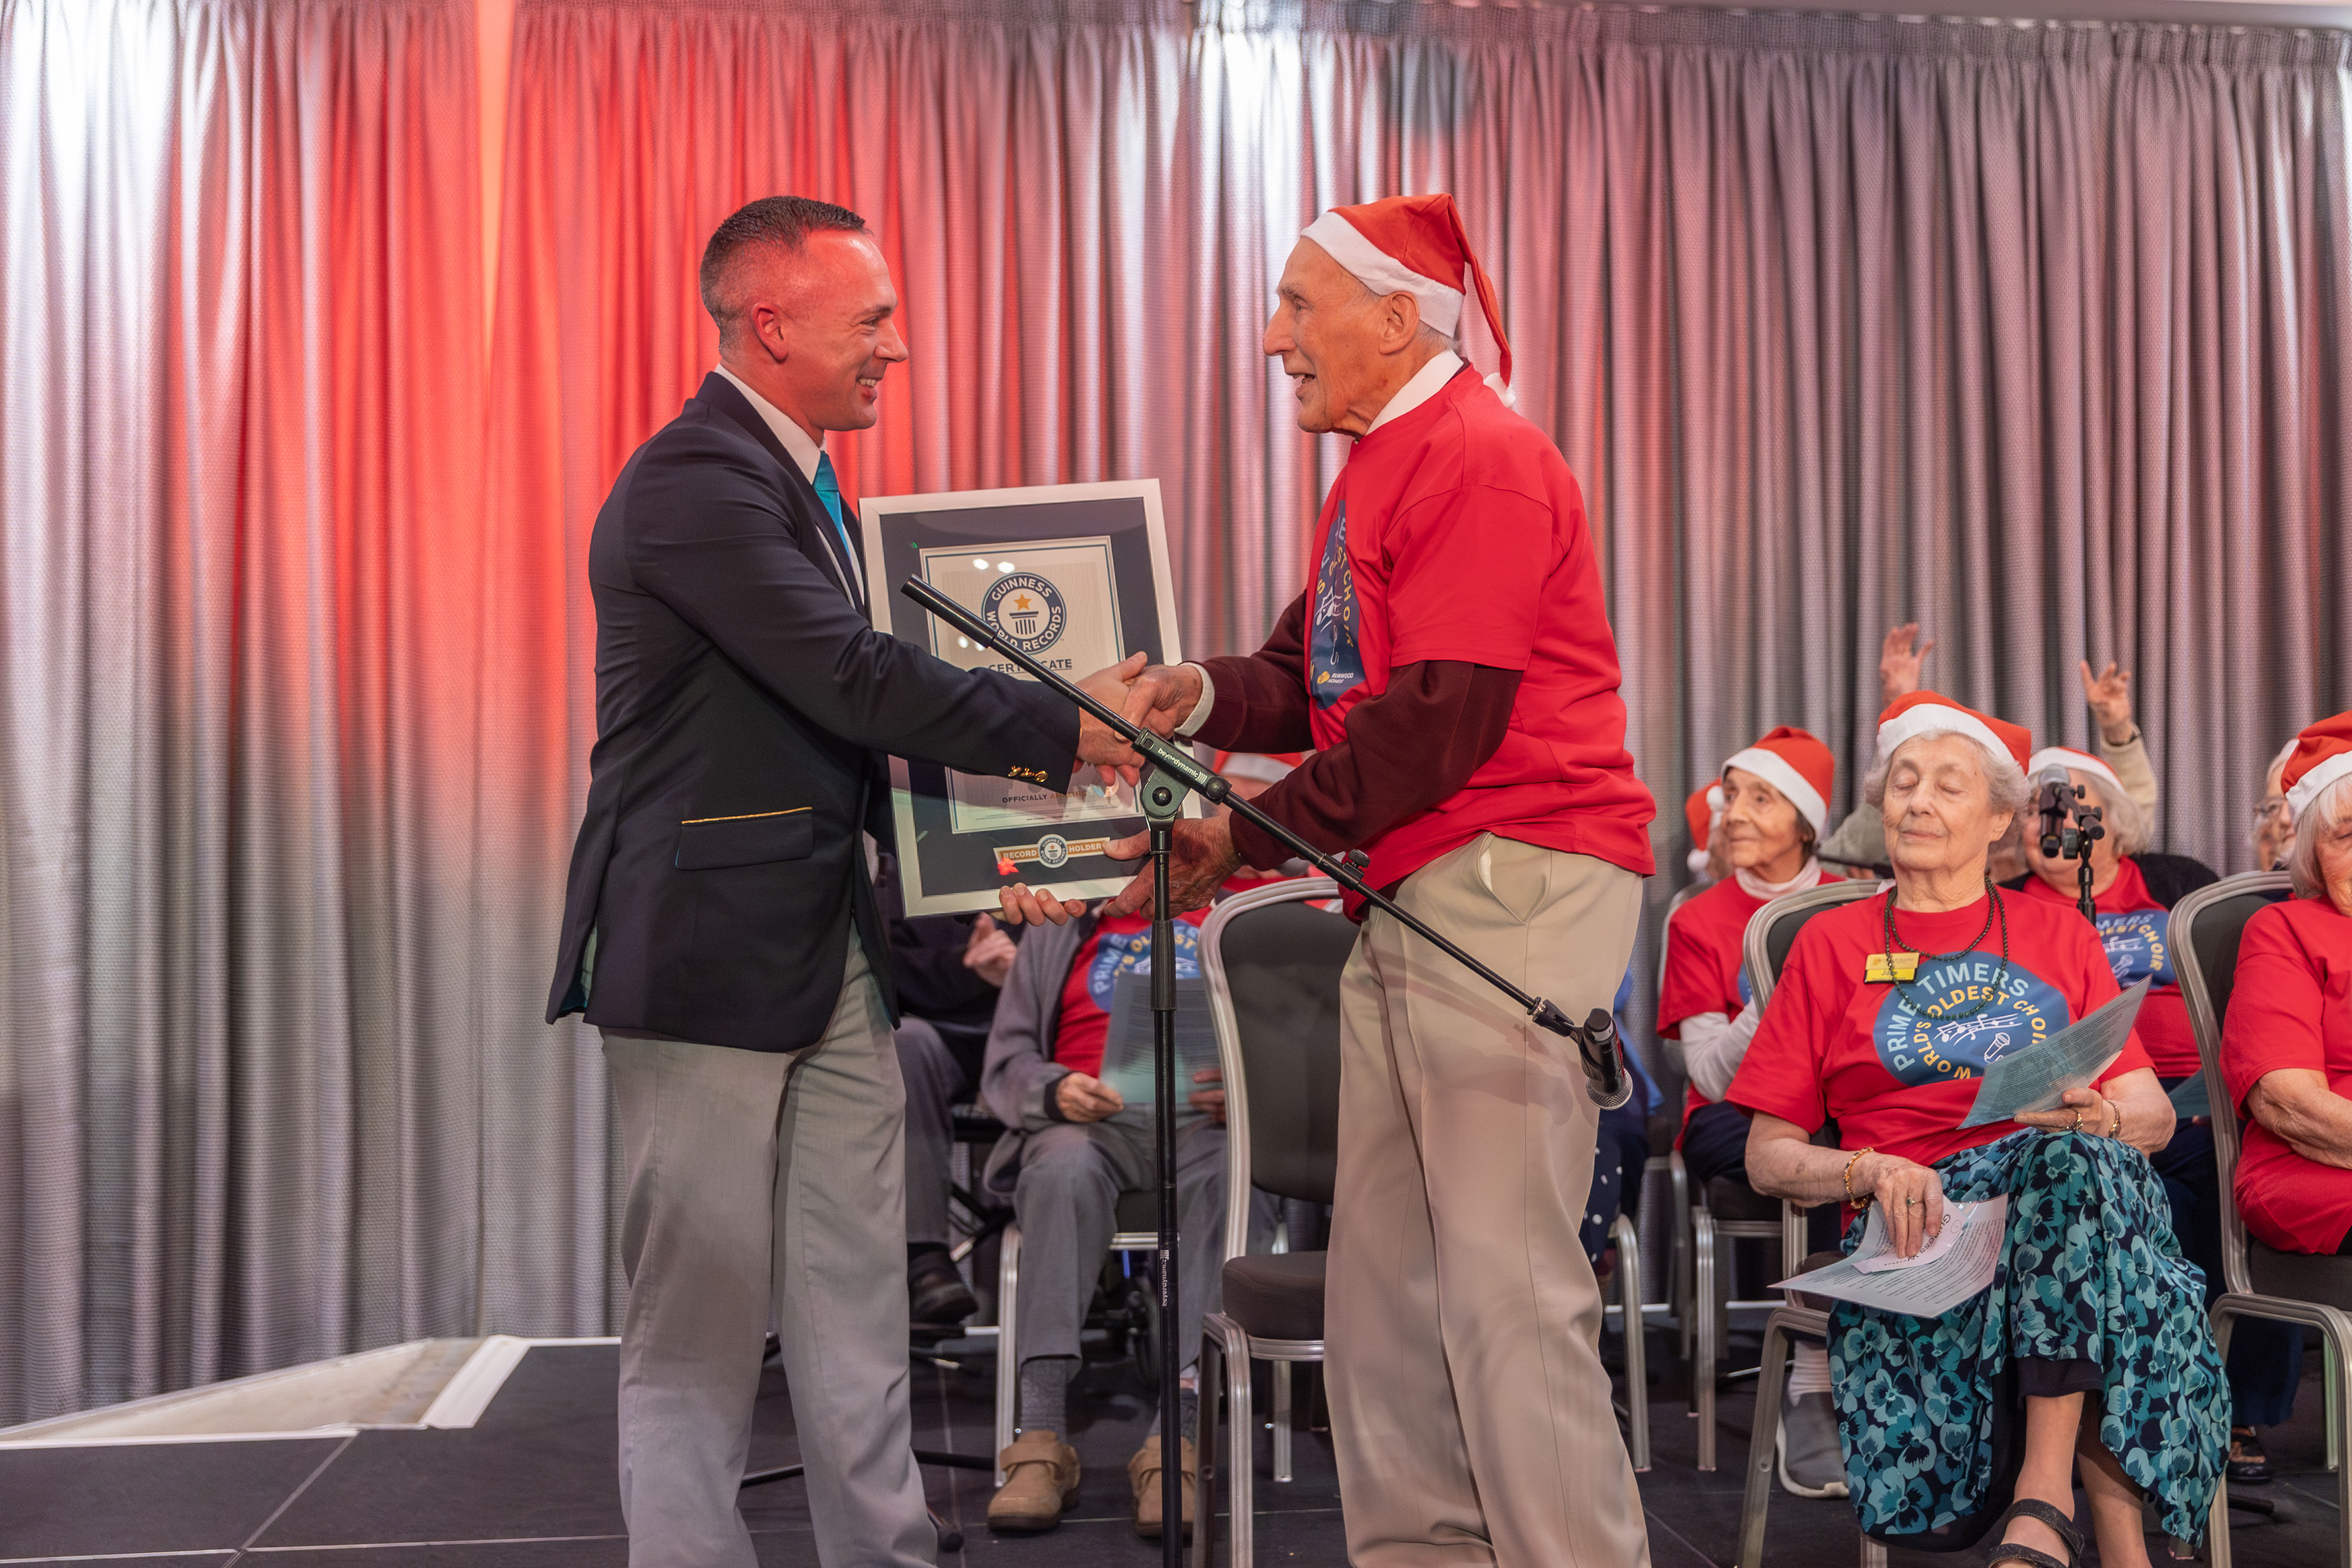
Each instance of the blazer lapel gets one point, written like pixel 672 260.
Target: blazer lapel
pixel 805 511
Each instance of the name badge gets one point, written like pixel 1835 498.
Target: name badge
pixel 1884 968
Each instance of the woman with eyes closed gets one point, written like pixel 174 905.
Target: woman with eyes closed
pixel 2089 1352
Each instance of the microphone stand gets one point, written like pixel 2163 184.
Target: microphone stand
pixel 1171 772
pixel 2069 828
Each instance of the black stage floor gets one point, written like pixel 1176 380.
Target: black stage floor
pixel 530 1485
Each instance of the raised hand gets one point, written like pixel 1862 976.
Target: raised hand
pixel 2109 695
pixel 990 953
pixel 1198 861
pixel 1899 659
pixel 1163 697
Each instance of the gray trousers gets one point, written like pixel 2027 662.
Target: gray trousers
pixel 935 1082
pixel 1066 1202
pixel 758 1181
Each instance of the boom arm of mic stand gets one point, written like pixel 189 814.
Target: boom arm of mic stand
pixel 1214 787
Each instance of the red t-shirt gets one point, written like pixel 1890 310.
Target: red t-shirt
pixel 2291 1007
pixel 1703 970
pixel 2137 932
pixel 1120 944
pixel 1872 1058
pixel 1456 533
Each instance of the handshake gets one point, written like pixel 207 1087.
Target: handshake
pixel 1154 697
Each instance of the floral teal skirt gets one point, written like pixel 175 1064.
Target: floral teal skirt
pixel 2090 1271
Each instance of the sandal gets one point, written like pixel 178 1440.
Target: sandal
pixel 2249 1465
pixel 2033 1556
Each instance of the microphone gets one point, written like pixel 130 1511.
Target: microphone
pixel 1605 1078
pixel 2057 798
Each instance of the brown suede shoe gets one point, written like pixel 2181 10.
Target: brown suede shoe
pixel 1041 1483
pixel 1143 1474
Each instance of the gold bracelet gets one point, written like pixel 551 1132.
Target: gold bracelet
pixel 1851 1201
pixel 2116 1109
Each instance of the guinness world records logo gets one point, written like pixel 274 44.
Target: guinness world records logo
pixel 1026 610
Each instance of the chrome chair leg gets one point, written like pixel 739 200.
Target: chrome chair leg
pixel 1704 1259
pixel 1280 1373
pixel 1008 1349
pixel 1637 1352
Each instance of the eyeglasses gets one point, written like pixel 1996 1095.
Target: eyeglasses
pixel 2274 807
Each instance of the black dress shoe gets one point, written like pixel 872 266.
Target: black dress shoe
pixel 2249 1466
pixel 935 1291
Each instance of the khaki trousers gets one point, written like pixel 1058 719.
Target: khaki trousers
pixel 1469 1409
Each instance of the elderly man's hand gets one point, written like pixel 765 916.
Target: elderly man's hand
pixel 1912 1195
pixel 1114 760
pixel 2109 695
pixel 1163 697
pixel 1198 861
pixel 1210 1102
pixel 990 953
pixel 1899 659
pixel 1083 1098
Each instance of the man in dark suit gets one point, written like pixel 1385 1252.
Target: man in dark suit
pixel 720 927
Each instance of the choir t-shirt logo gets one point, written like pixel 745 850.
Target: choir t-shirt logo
pixel 2138 946
pixel 1335 660
pixel 1931 1044
pixel 1118 952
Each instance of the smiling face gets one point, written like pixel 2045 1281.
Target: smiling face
pixel 1939 810
pixel 823 328
pixel 1346 349
pixel 1762 831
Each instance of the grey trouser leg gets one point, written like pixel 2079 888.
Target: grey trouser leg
pixel 758 1180
pixel 1066 1202
pixel 935 1082
pixel 1470 1413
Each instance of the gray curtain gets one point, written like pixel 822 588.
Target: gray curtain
pixel 2036 334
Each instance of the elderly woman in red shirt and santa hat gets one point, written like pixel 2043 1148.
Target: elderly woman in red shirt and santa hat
pixel 2091 1344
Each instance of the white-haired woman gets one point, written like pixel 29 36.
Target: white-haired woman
pixel 2287 1047
pixel 2089 1353
pixel 2133 890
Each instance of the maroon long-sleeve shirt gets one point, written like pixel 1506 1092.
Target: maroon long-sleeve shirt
pixel 1413 745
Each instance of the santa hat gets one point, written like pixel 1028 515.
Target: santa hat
pixel 1699 812
pixel 1796 764
pixel 1266 767
pixel 1416 245
pixel 2323 756
pixel 2076 762
pixel 1928 712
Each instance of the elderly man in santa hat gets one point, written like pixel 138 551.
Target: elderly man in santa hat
pixel 1451 666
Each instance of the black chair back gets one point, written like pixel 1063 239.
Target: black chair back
pixel 1273 961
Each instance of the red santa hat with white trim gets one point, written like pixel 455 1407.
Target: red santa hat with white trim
pixel 2067 757
pixel 1792 762
pixel 2322 757
pixel 1929 713
pixel 1417 245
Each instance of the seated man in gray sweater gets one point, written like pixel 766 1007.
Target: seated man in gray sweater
pixel 1075 1143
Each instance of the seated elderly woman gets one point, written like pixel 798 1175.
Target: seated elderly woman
pixel 2287 1049
pixel 2133 890
pixel 2091 1347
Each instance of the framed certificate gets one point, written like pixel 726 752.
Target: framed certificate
pixel 1076 577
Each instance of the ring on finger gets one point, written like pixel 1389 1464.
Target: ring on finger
pixel 1910 1202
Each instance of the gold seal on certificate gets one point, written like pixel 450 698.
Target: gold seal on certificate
pixel 1075 576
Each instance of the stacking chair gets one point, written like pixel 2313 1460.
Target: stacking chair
pixel 1771 933
pixel 1137 1229
pixel 2261 1281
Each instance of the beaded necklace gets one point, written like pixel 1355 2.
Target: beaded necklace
pixel 1999 981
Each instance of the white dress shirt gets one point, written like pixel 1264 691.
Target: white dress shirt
pixel 802 451
pixel 1424 386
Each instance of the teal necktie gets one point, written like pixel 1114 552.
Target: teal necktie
pixel 828 490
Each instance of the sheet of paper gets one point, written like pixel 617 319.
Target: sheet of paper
pixel 1960 1262
pixel 2191 1099
pixel 2073 1057
pixel 1127 1061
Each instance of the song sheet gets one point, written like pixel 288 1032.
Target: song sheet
pixel 2073 1057
pixel 1957 1263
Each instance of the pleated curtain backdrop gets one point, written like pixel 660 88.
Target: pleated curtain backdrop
pixel 2037 333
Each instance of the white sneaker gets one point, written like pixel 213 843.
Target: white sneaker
pixel 1806 1449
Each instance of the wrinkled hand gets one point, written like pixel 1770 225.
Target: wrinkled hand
pixel 1210 1102
pixel 1024 907
pixel 990 953
pixel 1087 1098
pixel 2098 1119
pixel 2109 695
pixel 1198 861
pixel 1163 697
pixel 1114 760
pixel 1912 1195
pixel 1899 659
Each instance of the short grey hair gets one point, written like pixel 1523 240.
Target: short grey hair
pixel 782 223
pixel 2124 819
pixel 2314 823
pixel 2005 780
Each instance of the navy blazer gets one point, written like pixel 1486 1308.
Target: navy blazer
pixel 744 705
